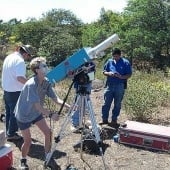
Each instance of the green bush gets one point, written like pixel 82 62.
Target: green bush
pixel 145 94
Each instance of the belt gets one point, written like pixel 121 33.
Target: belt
pixel 12 92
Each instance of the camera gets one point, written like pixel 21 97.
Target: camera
pixel 82 78
pixel 85 74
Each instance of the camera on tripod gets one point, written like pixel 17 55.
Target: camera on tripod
pixel 81 68
pixel 85 74
pixel 83 78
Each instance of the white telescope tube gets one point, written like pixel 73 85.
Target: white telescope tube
pixel 98 51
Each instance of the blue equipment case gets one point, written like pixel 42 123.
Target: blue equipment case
pixel 68 66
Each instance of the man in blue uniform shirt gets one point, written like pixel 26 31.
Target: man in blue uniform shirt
pixel 117 70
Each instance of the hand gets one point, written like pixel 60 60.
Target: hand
pixel 118 75
pixel 67 106
pixel 111 74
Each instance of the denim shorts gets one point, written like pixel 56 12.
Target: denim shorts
pixel 23 126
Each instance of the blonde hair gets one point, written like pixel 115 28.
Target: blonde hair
pixel 35 63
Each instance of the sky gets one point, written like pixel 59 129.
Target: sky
pixel 86 10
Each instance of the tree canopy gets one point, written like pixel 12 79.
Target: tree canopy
pixel 143 28
pixel 147 29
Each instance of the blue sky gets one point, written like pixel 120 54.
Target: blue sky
pixel 86 10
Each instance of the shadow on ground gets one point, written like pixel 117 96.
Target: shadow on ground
pixel 37 150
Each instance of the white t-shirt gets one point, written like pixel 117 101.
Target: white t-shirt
pixel 13 67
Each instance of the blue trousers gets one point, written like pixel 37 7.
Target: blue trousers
pixel 76 114
pixel 113 92
pixel 10 99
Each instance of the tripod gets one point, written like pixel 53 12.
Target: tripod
pixel 83 101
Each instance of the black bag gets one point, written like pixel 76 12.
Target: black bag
pixel 89 145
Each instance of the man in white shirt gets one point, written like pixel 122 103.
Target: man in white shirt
pixel 13 79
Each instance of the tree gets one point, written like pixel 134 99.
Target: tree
pixel 64 35
pixel 108 24
pixel 57 45
pixel 66 20
pixel 92 35
pixel 111 21
pixel 6 30
pixel 146 29
pixel 31 32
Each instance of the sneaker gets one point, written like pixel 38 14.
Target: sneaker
pixel 104 122
pixel 24 165
pixel 15 137
pixel 114 124
pixel 2 117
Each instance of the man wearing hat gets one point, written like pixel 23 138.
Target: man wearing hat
pixel 13 79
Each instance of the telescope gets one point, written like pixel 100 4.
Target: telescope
pixel 68 67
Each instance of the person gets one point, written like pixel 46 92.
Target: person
pixel 117 70
pixel 30 110
pixel 87 85
pixel 13 79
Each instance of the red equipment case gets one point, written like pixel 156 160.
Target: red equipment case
pixel 145 135
pixel 6 159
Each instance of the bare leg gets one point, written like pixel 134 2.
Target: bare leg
pixel 47 132
pixel 27 142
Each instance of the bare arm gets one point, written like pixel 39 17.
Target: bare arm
pixel 21 79
pixel 117 75
pixel 106 73
pixel 60 102
pixel 122 76
pixel 46 112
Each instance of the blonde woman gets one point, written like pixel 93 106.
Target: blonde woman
pixel 29 109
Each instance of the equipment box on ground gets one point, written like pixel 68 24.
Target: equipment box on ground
pixel 6 159
pixel 145 135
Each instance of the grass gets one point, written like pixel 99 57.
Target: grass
pixel 146 94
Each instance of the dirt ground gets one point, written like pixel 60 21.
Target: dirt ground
pixel 115 156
